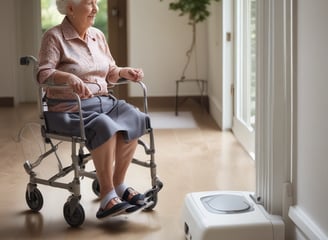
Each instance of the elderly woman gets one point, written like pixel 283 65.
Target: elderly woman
pixel 77 54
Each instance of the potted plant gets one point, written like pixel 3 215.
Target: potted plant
pixel 197 11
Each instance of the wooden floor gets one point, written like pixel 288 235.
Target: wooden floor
pixel 189 160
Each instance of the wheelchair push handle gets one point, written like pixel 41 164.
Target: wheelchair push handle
pixel 27 60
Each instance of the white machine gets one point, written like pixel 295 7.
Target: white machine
pixel 228 216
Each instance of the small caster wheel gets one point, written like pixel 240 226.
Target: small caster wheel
pixel 74 215
pixel 159 184
pixel 151 200
pixel 96 187
pixel 151 196
pixel 34 199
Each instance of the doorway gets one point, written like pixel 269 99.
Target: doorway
pixel 244 111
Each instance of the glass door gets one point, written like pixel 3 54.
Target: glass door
pixel 245 74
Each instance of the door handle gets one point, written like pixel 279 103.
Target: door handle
pixel 115 12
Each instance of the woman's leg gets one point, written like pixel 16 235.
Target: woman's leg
pixel 124 154
pixel 113 150
pixel 103 158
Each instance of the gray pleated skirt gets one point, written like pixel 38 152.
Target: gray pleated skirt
pixel 103 117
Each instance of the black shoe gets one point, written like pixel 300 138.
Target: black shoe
pixel 118 209
pixel 133 197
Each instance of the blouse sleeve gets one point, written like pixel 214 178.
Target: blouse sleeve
pixel 113 75
pixel 114 70
pixel 49 57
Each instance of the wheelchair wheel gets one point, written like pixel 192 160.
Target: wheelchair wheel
pixel 34 199
pixel 74 217
pixel 96 187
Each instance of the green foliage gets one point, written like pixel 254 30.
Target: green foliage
pixel 101 19
pixel 197 10
pixel 49 14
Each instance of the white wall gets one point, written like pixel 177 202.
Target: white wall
pixel 220 62
pixel 158 39
pixel 8 51
pixel 28 41
pixel 311 166
pixel 215 42
pixel 19 24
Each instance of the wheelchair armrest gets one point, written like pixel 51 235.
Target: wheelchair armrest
pixel 123 81
pixel 77 98
pixel 31 60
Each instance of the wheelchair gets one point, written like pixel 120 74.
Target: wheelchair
pixel 73 211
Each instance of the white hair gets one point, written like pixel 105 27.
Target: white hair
pixel 62 5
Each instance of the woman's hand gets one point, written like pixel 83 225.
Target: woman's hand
pixel 134 74
pixel 79 87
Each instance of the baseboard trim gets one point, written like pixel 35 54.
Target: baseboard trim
pixel 305 224
pixel 7 102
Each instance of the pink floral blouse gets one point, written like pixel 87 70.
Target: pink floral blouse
pixel 90 59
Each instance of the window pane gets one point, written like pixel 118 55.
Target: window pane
pixel 252 60
pixel 49 14
pixel 246 59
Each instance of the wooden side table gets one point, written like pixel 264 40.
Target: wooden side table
pixel 202 85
